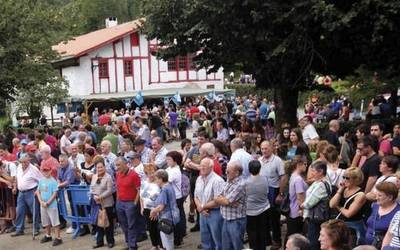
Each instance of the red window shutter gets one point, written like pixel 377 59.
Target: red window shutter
pixel 135 39
pixel 127 67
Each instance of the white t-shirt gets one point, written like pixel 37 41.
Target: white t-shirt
pixel 175 178
pixel 11 168
pixel 309 133
pixel 65 142
pixel 335 177
pixel 392 179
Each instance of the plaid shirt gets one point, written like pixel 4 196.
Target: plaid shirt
pixel 235 192
pixel 146 155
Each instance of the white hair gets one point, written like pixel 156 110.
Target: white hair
pixel 45 148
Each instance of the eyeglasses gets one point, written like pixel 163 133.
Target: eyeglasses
pixel 346 178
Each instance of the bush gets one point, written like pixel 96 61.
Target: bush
pixel 251 89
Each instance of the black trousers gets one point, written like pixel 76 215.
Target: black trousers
pixel 258 231
pixel 181 226
pixel 108 231
pixel 294 226
pixel 274 216
pixel 152 226
pixel 182 130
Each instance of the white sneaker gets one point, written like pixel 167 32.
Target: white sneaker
pixel 70 230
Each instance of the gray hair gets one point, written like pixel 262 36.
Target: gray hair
pixel 162 174
pixel 237 166
pixel 158 139
pixel 299 242
pixel 237 143
pixel 63 156
pixel 208 148
pixel 45 148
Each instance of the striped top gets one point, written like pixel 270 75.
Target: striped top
pixel 395 230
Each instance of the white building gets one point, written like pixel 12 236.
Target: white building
pixel 116 61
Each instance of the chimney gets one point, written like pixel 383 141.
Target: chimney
pixel 111 21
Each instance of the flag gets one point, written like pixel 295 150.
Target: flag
pixel 166 101
pixel 138 99
pixel 128 102
pixel 211 96
pixel 177 98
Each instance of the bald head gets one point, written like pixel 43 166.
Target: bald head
pixel 236 144
pixel 334 125
pixel 207 150
pixel 234 169
pixel 206 166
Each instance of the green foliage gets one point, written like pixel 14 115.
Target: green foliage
pixel 251 89
pixel 83 16
pixel 5 122
pixel 280 42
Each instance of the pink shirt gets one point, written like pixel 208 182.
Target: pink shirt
pixel 29 178
pixel 385 147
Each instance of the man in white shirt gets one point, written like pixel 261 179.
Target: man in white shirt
pixel 28 177
pixel 208 186
pixel 310 135
pixel 158 156
pixel 76 158
pixel 272 167
pixel 240 155
pixel 135 163
pixel 65 142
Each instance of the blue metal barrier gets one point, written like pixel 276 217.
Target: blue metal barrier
pixel 80 201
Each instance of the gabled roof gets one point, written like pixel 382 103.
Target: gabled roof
pixel 81 45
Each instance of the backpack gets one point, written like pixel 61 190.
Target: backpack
pixel 185 185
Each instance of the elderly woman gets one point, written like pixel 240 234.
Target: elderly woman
pixel 101 188
pixel 297 194
pixel 149 192
pixel 174 160
pixel 349 201
pixel 257 208
pixel 388 168
pixel 382 213
pixel 316 194
pixel 334 235
pixel 166 207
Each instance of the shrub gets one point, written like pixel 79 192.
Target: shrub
pixel 251 89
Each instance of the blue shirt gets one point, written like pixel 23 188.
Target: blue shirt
pixel 66 174
pixel 168 199
pixel 47 187
pixel 263 111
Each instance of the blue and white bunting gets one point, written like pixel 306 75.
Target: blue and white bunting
pixel 138 99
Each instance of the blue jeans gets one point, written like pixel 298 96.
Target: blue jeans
pixel 25 201
pixel 359 228
pixel 210 230
pixel 127 213
pixel 232 234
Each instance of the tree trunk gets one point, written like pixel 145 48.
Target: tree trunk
pixel 286 106
pixel 52 115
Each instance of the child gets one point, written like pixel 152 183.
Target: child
pixel 47 193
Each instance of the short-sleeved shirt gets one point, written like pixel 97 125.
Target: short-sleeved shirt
pixel 309 133
pixel 161 158
pixel 47 187
pixel 175 179
pixel 370 168
pixel 272 168
pixel 173 118
pixel 391 178
pixel 168 199
pixel 385 146
pixel 257 195
pixel 235 192
pixel 149 192
pixel 297 185
pixel 379 224
pixel 66 174
pixel 65 142
pixel 395 230
pixel 209 187
pixel 244 158
pixel 127 185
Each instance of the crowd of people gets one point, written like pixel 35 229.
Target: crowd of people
pixel 245 180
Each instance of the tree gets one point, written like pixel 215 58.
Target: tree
pixel 280 42
pixel 27 31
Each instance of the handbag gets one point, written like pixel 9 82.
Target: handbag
pixel 166 225
pixel 285 205
pixel 377 237
pixel 102 217
pixel 321 212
